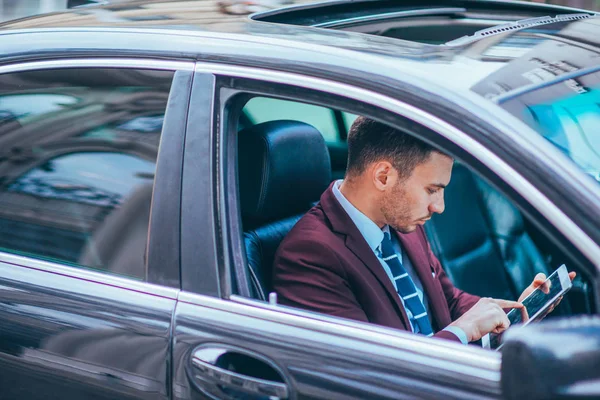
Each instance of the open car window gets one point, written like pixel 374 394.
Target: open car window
pixel 497 254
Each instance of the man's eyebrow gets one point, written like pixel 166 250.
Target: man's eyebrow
pixel 440 185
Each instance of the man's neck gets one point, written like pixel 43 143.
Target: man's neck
pixel 361 199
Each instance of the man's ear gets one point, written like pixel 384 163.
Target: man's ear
pixel 384 175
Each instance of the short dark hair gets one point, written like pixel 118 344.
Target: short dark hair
pixel 371 141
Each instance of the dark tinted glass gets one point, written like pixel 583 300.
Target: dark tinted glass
pixel 78 150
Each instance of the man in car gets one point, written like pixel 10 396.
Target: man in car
pixel 362 253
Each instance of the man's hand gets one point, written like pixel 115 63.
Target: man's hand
pixel 538 282
pixel 484 317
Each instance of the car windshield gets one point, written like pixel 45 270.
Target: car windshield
pixel 567 114
pixel 551 85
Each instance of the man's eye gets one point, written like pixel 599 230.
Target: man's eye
pixel 432 191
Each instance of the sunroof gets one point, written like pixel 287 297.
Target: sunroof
pixel 517 25
pixel 425 21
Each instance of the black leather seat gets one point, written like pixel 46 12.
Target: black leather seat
pixel 481 240
pixel 283 169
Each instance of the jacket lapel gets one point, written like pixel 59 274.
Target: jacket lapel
pixel 414 248
pixel 342 223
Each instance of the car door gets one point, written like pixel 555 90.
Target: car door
pixel 89 215
pixel 231 347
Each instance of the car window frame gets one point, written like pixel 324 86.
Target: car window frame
pixel 200 250
pixel 261 82
pixel 499 178
pixel 164 279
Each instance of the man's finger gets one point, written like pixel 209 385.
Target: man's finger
pixel 572 275
pixel 546 287
pixel 555 305
pixel 539 279
pixel 502 324
pixel 507 303
pixel 524 314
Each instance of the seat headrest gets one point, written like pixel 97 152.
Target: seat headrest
pixel 284 168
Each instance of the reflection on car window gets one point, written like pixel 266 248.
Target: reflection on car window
pixel 102 179
pixel 77 165
pixel 23 106
pixel 140 129
pixel 144 124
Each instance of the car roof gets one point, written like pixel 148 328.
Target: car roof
pixel 208 30
pixel 196 18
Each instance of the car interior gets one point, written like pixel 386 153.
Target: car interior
pixel 284 165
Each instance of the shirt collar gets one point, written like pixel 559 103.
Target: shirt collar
pixel 369 229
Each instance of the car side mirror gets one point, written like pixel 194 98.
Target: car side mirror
pixel 558 359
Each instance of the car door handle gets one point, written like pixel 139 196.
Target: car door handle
pixel 205 370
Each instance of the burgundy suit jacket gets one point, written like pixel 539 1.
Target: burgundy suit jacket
pixel 324 264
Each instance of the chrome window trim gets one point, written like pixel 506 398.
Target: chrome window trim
pixel 385 25
pixel 426 12
pixel 100 62
pixel 470 361
pixel 77 272
pixel 89 275
pixel 546 207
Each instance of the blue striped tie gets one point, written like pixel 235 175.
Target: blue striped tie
pixel 406 287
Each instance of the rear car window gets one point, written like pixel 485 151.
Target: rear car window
pixel 264 109
pixel 79 149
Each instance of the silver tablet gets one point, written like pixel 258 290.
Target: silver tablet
pixel 539 303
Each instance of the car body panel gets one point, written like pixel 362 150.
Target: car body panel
pixel 321 360
pixel 68 335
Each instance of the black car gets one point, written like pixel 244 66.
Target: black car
pixel 137 232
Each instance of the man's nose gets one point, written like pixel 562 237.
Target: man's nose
pixel 437 206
